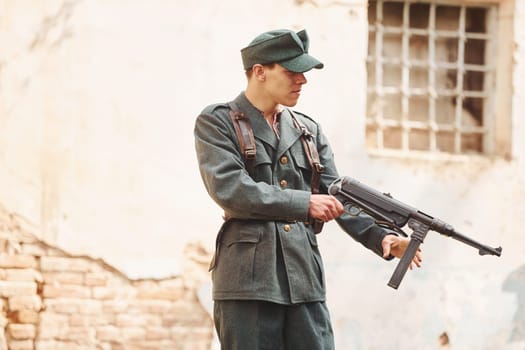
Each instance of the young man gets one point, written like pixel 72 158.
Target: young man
pixel 268 277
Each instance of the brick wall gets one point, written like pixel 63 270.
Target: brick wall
pixel 50 299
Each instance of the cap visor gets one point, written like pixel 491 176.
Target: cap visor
pixel 302 63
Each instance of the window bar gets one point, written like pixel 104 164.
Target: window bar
pixel 488 103
pixel 405 130
pixel 459 86
pixel 379 74
pixel 432 95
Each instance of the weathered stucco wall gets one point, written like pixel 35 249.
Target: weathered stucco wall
pixel 97 103
pixel 50 299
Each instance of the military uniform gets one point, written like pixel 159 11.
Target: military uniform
pixel 267 272
pixel 267 250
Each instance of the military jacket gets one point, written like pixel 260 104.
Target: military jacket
pixel 266 250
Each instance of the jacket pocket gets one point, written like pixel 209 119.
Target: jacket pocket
pixel 234 271
pixel 243 235
pixel 302 165
pixel 316 256
pixel 299 156
pixel 263 166
pixel 311 237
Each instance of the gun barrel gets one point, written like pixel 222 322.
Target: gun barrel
pixel 482 248
pixel 445 229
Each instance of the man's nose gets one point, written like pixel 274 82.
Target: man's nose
pixel 301 78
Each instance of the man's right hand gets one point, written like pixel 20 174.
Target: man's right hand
pixel 324 207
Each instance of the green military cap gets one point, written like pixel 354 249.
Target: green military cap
pixel 283 46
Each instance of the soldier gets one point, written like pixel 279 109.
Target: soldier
pixel 269 169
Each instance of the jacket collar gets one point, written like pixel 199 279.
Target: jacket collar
pixel 261 128
pixel 289 134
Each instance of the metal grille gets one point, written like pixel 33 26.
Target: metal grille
pixel 430 76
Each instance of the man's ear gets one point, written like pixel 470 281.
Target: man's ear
pixel 259 72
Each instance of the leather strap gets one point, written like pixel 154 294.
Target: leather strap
pixel 315 163
pixel 244 132
pixel 311 153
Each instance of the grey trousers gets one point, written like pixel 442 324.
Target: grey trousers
pixel 261 325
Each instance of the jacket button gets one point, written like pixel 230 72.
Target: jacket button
pixel 284 160
pixel 283 183
pixel 287 228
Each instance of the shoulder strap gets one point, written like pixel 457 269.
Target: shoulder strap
pixel 315 163
pixel 244 132
pixel 311 153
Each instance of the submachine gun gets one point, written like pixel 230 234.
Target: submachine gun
pixel 387 211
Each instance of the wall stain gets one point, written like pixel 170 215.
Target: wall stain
pixel 515 283
pixel 55 29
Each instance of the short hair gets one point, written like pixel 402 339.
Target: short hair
pixel 249 72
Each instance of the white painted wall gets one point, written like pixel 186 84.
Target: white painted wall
pixel 97 104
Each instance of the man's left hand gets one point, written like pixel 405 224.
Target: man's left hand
pixel 396 246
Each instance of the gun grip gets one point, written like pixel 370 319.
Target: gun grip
pixel 404 263
pixel 318 226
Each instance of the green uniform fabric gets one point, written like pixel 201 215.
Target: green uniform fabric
pixel 260 325
pixel 282 46
pixel 266 251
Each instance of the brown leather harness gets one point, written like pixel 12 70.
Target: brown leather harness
pixel 244 132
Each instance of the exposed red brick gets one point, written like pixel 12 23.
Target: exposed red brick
pixel 21 345
pixel 21 302
pixel 17 288
pixel 23 275
pixel 63 277
pixel 17 261
pixel 21 331
pixel 95 279
pixel 53 301
pixel 23 316
pixel 65 264
pixel 65 291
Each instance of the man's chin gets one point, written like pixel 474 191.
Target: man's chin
pixel 289 103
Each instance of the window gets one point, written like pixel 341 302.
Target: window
pixel 432 77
